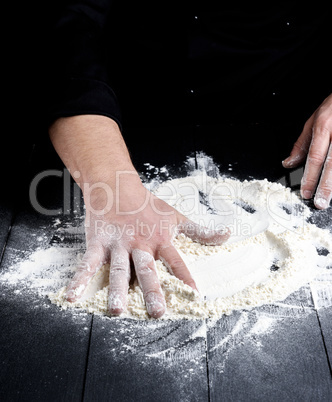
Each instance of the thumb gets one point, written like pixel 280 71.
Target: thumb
pixel 202 234
pixel 92 261
pixel 301 146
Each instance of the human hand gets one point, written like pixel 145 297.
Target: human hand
pixel 314 145
pixel 139 228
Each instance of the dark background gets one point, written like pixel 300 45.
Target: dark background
pixel 254 124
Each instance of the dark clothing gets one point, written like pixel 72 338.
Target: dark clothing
pixel 152 63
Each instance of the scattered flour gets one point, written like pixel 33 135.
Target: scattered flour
pixel 272 251
pixel 44 270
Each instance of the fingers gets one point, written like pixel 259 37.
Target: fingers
pixel 119 280
pixel 324 190
pixel 301 146
pixel 173 261
pixel 315 142
pixel 315 160
pixel 92 261
pixel 148 280
pixel 202 234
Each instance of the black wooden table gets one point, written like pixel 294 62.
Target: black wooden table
pixel 280 352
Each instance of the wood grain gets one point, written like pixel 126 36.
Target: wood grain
pixel 43 350
pixel 133 360
pixel 269 353
pixel 6 217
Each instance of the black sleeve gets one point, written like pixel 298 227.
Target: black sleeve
pixel 78 80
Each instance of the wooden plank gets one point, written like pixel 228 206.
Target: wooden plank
pixel 133 360
pixel 325 320
pixel 322 287
pixel 6 217
pixel 43 350
pixel 269 353
pixel 274 352
pixel 322 294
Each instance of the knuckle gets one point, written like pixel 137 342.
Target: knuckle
pixel 322 128
pixel 324 189
pixel 176 262
pixel 152 293
pixel 95 248
pixel 118 269
pixel 82 267
pixel 315 158
pixel 88 267
pixel 144 270
pixel 328 163
pixel 298 145
pixel 309 182
pixel 184 277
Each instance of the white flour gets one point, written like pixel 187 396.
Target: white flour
pixel 269 227
pixel 272 251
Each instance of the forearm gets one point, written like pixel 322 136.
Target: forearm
pixel 92 146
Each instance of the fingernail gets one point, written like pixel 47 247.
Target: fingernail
pixel 76 293
pixel 292 161
pixel 192 284
pixel 223 231
pixel 286 161
pixel 70 295
pixel 306 194
pixel 321 203
pixel 115 303
pixel 154 305
pixel 225 234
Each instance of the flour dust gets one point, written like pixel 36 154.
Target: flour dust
pixel 274 250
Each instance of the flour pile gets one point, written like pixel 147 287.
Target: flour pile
pixel 272 252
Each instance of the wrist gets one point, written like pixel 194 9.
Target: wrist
pixel 105 175
pixel 92 148
pixel 103 196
